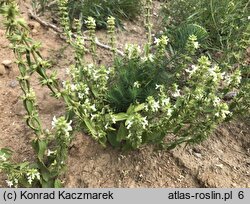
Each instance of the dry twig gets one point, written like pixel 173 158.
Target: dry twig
pixel 58 30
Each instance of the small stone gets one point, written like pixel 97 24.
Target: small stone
pixel 13 84
pixel 219 165
pixel 198 155
pixel 7 63
pixel 230 96
pixel 197 150
pixel 234 185
pixel 2 70
pixel 137 168
pixel 34 32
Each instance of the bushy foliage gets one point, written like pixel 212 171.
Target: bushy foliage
pixel 228 35
pixel 226 21
pixel 148 94
pixel 100 10
pixel 164 93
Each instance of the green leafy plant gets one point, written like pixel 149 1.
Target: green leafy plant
pixel 149 95
pixel 146 95
pixel 226 21
pixel 50 146
pixel 228 36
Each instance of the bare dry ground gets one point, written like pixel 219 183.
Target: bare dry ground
pixel 221 161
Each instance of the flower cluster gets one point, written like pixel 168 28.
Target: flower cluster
pixel 132 51
pixel 62 126
pixel 32 175
pixel 192 44
pixel 111 32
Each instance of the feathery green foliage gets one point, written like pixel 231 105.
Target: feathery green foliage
pixel 226 21
pixel 100 10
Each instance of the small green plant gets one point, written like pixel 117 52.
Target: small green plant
pixel 50 146
pixel 148 94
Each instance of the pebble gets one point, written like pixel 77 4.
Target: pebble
pixel 2 70
pixel 7 63
pixel 34 32
pixel 198 155
pixel 230 96
pixel 13 84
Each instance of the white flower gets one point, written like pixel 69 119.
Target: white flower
pixel 144 122
pixel 80 95
pixel 113 119
pixel 196 45
pixel 157 41
pixel 50 152
pixel 93 107
pixel 54 122
pixel 137 84
pixel 192 70
pixel 106 126
pixel 67 71
pixel 30 180
pixel 86 90
pixel 32 174
pixel 157 86
pixel 130 123
pixel 248 17
pixel 37 175
pixel 68 127
pixel 216 101
pixel 155 106
pixel 169 112
pixel 73 87
pixel 9 183
pixel 165 101
pixel 164 40
pixel 64 84
pixel 176 93
pixel 132 51
pixel 15 181
pixel 224 113
pixel 92 117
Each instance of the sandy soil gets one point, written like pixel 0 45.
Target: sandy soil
pixel 221 161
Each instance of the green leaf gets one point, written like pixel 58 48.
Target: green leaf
pixel 139 107
pixel 23 165
pixel 122 133
pixel 131 109
pixel 112 139
pixel 42 148
pixel 120 117
pixel 45 174
pixel 29 106
pixel 90 126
